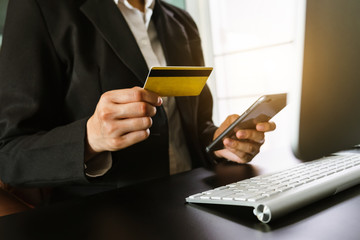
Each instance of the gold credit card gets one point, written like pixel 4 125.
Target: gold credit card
pixel 177 81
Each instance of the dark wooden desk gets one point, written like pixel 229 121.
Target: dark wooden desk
pixel 157 210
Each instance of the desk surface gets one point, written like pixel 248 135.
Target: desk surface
pixel 157 210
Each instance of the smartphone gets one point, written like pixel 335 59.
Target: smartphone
pixel 262 110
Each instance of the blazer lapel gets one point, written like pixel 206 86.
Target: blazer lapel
pixel 172 36
pixel 109 21
pixel 175 43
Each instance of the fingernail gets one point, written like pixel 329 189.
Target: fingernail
pixel 260 127
pixel 160 100
pixel 228 142
pixel 241 134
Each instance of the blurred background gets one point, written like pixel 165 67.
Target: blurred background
pixel 3 6
pixel 255 48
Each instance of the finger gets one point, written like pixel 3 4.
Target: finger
pixel 252 135
pixel 118 128
pixel 133 110
pixel 240 148
pixel 230 119
pixel 128 139
pixel 135 94
pixel 245 158
pixel 266 126
pixel 234 157
pixel 135 137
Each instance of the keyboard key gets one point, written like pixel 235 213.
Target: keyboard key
pixel 196 195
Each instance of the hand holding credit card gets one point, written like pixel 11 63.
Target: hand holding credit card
pixel 177 81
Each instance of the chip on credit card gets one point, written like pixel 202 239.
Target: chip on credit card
pixel 177 81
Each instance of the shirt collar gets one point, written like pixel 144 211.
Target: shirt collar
pixel 149 4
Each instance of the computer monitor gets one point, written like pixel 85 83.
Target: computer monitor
pixel 3 8
pixel 327 106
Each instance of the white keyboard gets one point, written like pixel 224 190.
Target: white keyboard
pixel 276 194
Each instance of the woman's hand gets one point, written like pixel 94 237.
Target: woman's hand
pixel 247 143
pixel 121 119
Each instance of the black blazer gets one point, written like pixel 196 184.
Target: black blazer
pixel 57 58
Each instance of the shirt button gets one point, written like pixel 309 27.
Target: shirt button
pixel 144 42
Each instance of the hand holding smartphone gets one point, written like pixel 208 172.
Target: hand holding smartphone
pixel 262 110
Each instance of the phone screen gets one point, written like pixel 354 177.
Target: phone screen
pixel 262 110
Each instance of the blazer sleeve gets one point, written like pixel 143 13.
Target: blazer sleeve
pixel 37 146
